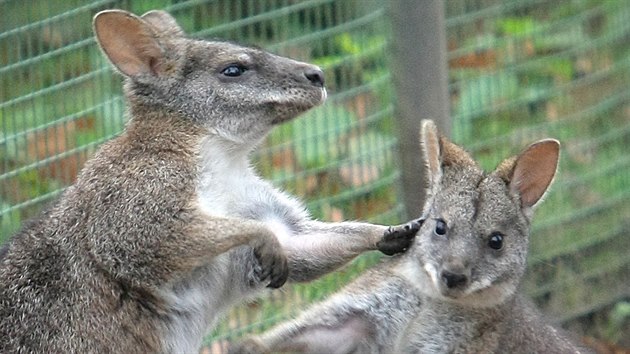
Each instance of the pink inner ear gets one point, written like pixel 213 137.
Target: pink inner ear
pixel 128 42
pixel 534 171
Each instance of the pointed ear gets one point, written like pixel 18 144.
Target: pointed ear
pixel 129 42
pixel 163 23
pixel 530 173
pixel 432 158
pixel 430 144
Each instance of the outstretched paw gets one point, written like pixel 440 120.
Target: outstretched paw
pixel 273 263
pixel 397 239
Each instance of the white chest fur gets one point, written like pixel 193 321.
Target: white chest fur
pixel 227 187
pixel 196 306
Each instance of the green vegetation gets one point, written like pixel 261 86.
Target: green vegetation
pixel 519 71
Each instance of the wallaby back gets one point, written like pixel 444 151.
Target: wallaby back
pixel 455 289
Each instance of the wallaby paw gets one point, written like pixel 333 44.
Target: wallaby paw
pixel 273 262
pixel 397 239
pixel 247 346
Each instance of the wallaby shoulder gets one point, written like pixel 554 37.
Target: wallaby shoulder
pixel 57 258
pixel 529 331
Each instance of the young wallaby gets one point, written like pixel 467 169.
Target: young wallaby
pixel 143 253
pixel 455 290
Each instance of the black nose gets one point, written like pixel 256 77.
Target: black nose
pixel 453 280
pixel 315 76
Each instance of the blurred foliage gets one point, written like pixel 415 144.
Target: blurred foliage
pixel 518 71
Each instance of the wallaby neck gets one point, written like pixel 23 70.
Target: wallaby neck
pixel 219 155
pixel 479 329
pixel 158 123
pixel 225 177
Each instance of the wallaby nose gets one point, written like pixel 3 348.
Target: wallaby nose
pixel 315 76
pixel 453 280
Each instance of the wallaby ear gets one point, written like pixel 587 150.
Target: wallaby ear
pixel 431 147
pixel 530 173
pixel 129 42
pixel 439 152
pixel 430 144
pixel 163 23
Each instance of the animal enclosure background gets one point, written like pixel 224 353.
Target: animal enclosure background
pixel 519 70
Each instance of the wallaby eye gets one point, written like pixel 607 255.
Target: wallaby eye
pixel 440 227
pixel 495 241
pixel 234 70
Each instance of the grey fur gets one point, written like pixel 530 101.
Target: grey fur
pixel 167 225
pixel 449 293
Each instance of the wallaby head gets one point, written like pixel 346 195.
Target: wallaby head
pixel 236 92
pixel 472 247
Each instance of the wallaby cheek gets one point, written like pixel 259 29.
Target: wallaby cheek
pixel 429 262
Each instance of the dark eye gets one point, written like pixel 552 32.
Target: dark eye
pixel 234 70
pixel 495 241
pixel 440 227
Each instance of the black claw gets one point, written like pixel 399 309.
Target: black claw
pixel 397 239
pixel 278 280
pixel 275 284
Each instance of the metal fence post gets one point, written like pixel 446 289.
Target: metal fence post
pixel 419 72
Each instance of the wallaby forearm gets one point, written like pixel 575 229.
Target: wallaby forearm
pixel 321 247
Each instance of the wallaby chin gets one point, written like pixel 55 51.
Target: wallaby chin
pixel 284 115
pixel 494 295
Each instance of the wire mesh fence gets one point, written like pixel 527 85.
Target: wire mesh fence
pixel 518 71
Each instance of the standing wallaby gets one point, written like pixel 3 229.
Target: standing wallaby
pixel 167 225
pixel 455 290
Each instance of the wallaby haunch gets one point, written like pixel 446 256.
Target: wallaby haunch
pixel 167 225
pixel 455 290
